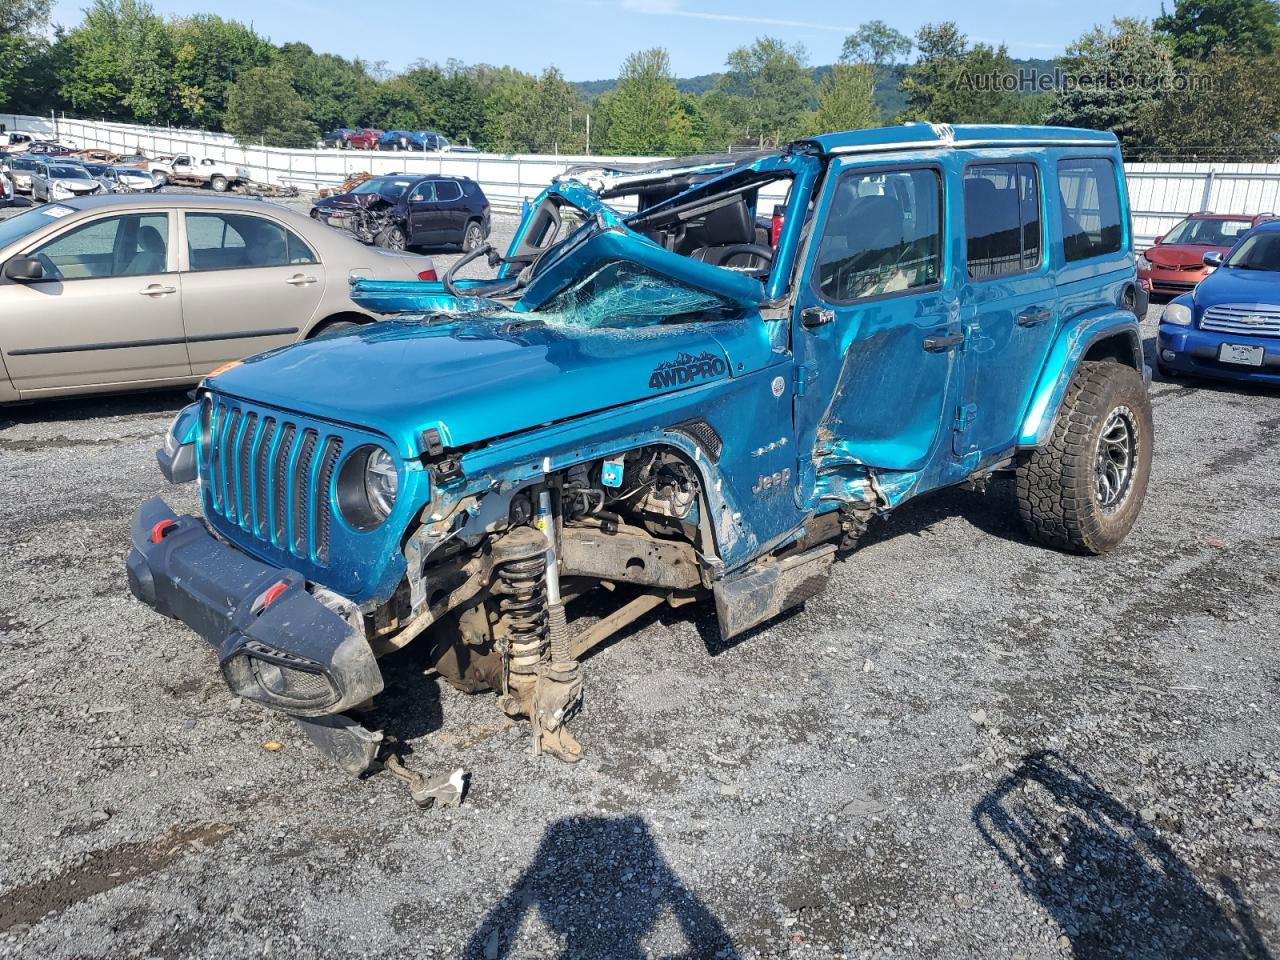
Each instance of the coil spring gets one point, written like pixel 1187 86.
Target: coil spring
pixel 524 606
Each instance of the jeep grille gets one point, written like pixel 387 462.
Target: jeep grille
pixel 270 475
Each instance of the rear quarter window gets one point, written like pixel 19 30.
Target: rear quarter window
pixel 1090 204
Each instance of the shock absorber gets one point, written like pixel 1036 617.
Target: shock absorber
pixel 521 563
pixel 558 692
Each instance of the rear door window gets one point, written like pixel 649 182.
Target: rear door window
pixel 1002 219
pixel 1090 203
pixel 227 241
pixel 883 235
pixel 447 191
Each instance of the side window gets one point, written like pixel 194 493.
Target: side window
pixel 225 241
pixel 1090 208
pixel 447 191
pixel 422 193
pixel 882 236
pixel 130 246
pixel 1002 219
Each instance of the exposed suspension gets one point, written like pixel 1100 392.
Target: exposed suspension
pixel 520 559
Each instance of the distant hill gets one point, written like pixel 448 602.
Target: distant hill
pixel 888 98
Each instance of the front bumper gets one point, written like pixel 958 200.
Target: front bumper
pixel 1194 352
pixel 277 644
pixel 1161 280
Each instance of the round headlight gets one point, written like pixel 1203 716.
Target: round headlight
pixel 381 482
pixel 1178 314
pixel 367 486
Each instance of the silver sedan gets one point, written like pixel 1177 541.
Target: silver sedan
pixel 131 291
pixel 62 180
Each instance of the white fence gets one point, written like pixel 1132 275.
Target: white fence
pixel 1160 194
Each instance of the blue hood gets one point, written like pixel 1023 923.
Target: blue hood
pixel 477 379
pixel 1227 285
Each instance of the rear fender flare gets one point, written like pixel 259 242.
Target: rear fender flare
pixel 1107 334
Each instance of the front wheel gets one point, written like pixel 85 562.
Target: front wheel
pixel 1083 490
pixel 392 238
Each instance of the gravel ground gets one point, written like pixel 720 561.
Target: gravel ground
pixel 969 746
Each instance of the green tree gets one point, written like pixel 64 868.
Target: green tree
pixel 941 52
pixel 1199 28
pixel 774 88
pixel 336 90
pixel 120 63
pixel 875 42
pixel 646 113
pixel 1114 79
pixel 453 99
pixel 528 115
pixel 398 105
pixel 847 99
pixel 1225 110
pixel 209 55
pixel 951 82
pixel 263 106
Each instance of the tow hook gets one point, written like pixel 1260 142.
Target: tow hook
pixel 443 790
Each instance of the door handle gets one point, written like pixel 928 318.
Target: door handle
pixel 1032 316
pixel 814 317
pixel 155 290
pixel 298 280
pixel 940 342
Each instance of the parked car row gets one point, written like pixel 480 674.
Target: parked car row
pixel 370 138
pixel 60 178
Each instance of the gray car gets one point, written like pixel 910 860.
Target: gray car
pixel 20 169
pixel 58 179
pixel 125 292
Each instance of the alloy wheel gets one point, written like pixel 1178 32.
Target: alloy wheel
pixel 1115 457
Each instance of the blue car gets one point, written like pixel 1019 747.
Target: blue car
pixel 1228 328
pixel 422 141
pixel 689 403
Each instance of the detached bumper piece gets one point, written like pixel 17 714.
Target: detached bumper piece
pixel 277 644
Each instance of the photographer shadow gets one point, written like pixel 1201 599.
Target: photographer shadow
pixel 601 886
pixel 1113 884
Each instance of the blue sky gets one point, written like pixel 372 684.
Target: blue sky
pixel 587 39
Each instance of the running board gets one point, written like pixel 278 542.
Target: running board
pixel 749 599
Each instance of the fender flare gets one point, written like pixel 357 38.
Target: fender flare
pixel 1072 345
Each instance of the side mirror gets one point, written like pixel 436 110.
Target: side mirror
pixel 24 270
pixel 1213 259
pixel 1160 239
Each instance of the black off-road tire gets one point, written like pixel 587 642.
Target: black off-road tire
pixel 1070 492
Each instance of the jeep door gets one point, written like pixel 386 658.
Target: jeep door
pixel 248 284
pixel 106 312
pixel 1010 299
pixel 424 221
pixel 876 325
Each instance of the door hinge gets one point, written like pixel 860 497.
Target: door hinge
pixel 803 377
pixel 966 413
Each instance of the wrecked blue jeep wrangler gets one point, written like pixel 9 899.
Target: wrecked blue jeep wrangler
pixel 692 401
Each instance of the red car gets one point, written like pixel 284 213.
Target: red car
pixel 1176 263
pixel 365 139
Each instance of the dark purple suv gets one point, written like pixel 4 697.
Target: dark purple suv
pixel 399 212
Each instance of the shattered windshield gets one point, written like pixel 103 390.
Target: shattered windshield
pixel 622 295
